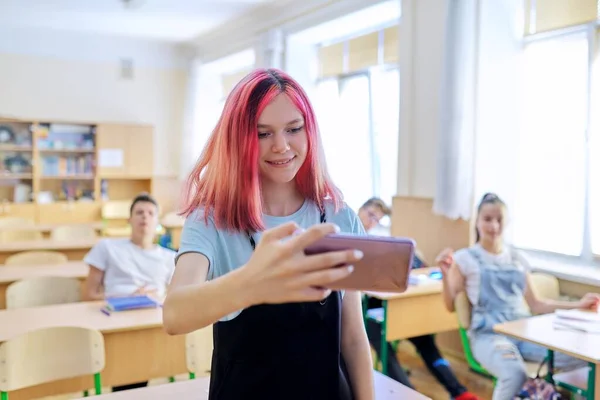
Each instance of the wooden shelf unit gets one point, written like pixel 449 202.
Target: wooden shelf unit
pixel 82 164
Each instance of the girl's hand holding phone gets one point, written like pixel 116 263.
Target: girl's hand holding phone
pixel 279 271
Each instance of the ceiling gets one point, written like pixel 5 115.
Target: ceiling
pixel 170 20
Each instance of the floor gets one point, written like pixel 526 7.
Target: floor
pixel 419 376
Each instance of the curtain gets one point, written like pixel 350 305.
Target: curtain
pixel 456 138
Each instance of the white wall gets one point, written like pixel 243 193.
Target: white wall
pixel 52 75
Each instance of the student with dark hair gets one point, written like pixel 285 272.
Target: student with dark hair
pixel 496 280
pixel 133 265
pixel 370 213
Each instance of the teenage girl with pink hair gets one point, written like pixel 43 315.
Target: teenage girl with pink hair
pixel 259 194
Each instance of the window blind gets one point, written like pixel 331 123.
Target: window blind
pixel 359 53
pixel 548 15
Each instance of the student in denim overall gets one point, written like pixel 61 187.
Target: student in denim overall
pixel 259 195
pixel 496 281
pixel 370 213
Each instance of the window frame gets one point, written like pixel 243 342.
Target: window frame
pixel 592 32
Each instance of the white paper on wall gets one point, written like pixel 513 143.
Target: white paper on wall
pixel 110 158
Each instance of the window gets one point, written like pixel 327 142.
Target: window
pixel 557 206
pixel 594 154
pixel 385 94
pixel 358 104
pixel 346 134
pixel 551 180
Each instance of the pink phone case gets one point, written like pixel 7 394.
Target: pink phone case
pixel 385 266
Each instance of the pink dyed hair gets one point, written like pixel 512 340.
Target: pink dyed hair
pixel 225 180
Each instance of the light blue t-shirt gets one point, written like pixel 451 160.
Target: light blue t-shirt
pixel 227 251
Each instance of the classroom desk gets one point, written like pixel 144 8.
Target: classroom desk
pixel 73 249
pixel 13 273
pixel 137 348
pixel 584 346
pixel 418 311
pixel 47 228
pixel 197 389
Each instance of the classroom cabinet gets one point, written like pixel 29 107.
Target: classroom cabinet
pixel 125 151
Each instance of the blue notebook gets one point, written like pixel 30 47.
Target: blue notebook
pixel 130 303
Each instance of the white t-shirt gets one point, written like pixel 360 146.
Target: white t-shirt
pixel 469 266
pixel 127 267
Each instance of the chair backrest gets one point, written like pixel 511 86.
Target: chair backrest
pixel 545 286
pixel 70 232
pixel 172 219
pixel 48 355
pixel 462 305
pixel 198 350
pixel 36 257
pixel 42 291
pixel 20 235
pixel 16 221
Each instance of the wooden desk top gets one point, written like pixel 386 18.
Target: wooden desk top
pixel 47 244
pixel 539 330
pixel 48 227
pixel 84 314
pixel 70 269
pixel 422 289
pixel 197 389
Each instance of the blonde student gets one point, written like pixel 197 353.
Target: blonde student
pixel 259 194
pixel 496 281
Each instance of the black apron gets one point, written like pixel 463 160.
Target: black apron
pixel 281 351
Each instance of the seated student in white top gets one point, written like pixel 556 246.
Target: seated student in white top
pixel 133 265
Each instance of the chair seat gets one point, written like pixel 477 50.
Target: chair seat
pixel 375 314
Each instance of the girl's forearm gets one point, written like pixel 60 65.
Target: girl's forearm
pixel 192 307
pixel 357 356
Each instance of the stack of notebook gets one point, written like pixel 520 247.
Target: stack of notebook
pixel 130 303
pixel 579 320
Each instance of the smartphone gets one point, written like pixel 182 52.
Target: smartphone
pixel 385 266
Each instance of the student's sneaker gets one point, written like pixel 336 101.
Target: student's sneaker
pixel 466 396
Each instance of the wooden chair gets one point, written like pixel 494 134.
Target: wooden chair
pixel 544 286
pixel 48 355
pixel 20 235
pixel 115 216
pixel 43 291
pixel 36 257
pixel 70 232
pixel 198 351
pixel 15 221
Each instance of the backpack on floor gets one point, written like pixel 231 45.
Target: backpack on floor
pixel 538 388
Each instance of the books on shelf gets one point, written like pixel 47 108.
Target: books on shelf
pixel 116 304
pixel 579 320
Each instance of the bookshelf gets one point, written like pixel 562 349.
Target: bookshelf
pixel 62 172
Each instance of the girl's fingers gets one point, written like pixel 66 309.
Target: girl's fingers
pixel 329 259
pixel 323 278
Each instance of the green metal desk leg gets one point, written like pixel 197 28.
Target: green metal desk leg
pixel 550 375
pixel 384 344
pixel 365 302
pixel 591 389
pixel 4 395
pixel 98 383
